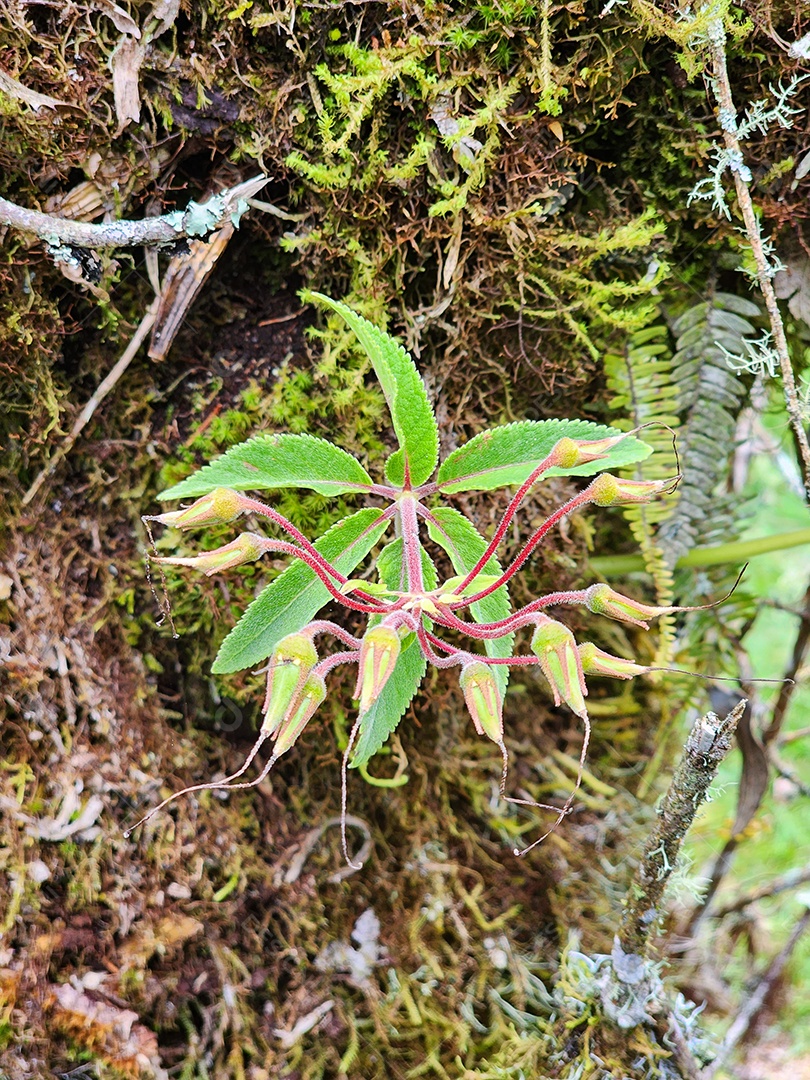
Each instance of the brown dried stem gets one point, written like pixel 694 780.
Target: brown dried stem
pixel 799 875
pixel 742 1021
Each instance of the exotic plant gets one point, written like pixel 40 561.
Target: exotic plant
pixel 407 608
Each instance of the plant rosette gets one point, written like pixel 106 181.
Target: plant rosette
pixel 407 608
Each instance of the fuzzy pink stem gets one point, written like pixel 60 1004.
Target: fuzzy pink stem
pixel 546 464
pixel 273 515
pixel 578 500
pixel 502 627
pixel 323 667
pixel 410 542
pixel 373 608
pixel 460 655
pixel 325 626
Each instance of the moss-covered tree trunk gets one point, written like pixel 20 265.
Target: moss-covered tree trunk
pixel 506 188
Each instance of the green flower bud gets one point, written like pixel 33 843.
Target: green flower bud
pixel 603 600
pixel 596 661
pixel 608 490
pixel 245 548
pixel 216 508
pixel 292 660
pixel 555 647
pixel 299 715
pixel 379 650
pixel 483 698
pixel 572 452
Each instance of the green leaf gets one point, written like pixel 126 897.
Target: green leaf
pixel 465 546
pixel 387 711
pixel 389 708
pixel 391 570
pixel 414 423
pixel 277 461
pixel 297 594
pixel 478 583
pixel 506 455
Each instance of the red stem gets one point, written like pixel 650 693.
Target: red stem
pixel 325 626
pixel 547 463
pixel 502 627
pixel 459 655
pixel 373 608
pixel 273 515
pixel 323 667
pixel 578 500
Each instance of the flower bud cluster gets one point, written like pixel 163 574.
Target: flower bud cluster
pixel 295 675
pixel 294 690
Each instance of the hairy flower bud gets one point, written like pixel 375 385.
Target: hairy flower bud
pixel 596 661
pixel 608 490
pixel 291 662
pixel 483 698
pixel 602 600
pixel 556 649
pixel 245 548
pixel 216 508
pixel 572 452
pixel 379 650
pixel 300 713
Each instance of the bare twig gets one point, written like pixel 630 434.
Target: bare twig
pixel 725 101
pixel 752 788
pixel 100 393
pixel 753 1005
pixel 198 219
pixel 709 741
pixel 631 988
pixel 773 729
pixel 791 880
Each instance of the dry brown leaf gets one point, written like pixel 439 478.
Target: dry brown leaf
pixel 15 89
pixel 793 284
pixel 126 63
pixel 84 202
pixel 754 778
pixel 166 12
pixel 119 18
pixel 185 276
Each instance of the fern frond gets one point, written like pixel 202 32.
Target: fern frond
pixel 711 396
pixel 641 380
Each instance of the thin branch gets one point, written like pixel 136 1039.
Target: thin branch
pixel 198 219
pixel 709 741
pixel 722 90
pixel 742 1021
pixel 772 731
pixel 101 391
pixel 791 880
